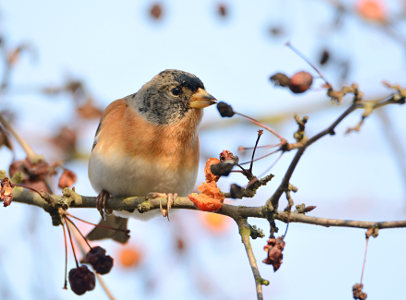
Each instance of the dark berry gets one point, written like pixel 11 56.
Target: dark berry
pixel 81 280
pixel 225 109
pixel 98 259
pixel 222 168
pixel 279 79
pixel 324 57
pixel 236 191
pixel 222 10
pixel 156 11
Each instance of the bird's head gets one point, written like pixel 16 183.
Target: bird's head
pixel 170 95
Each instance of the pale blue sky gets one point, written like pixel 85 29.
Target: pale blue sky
pixel 115 48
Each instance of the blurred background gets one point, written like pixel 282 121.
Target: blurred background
pixel 63 63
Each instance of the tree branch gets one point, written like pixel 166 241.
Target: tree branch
pixel 274 200
pixel 368 106
pixel 70 199
pixel 301 218
pixel 245 232
pixel 142 204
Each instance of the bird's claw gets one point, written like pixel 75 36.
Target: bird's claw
pixel 101 202
pixel 170 198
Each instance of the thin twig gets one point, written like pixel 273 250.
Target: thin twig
pixel 365 259
pixel 255 149
pixel 77 230
pixel 242 148
pixel 71 242
pixel 97 225
pixel 245 233
pixel 272 165
pixel 65 284
pixel 298 53
pixel 261 157
pixel 266 127
pixel 274 200
pixel 294 217
pixel 105 287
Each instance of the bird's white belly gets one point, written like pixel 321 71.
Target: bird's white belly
pixel 132 176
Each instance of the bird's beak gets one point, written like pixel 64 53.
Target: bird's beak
pixel 201 99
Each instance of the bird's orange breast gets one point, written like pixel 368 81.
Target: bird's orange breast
pixel 124 131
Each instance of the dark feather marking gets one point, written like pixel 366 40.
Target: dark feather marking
pixel 97 132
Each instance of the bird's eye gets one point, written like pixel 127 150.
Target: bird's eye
pixel 176 91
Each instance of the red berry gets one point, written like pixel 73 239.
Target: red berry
pixel 300 82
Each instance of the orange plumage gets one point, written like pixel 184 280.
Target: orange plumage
pixel 147 142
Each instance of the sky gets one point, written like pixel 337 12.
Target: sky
pixel 115 47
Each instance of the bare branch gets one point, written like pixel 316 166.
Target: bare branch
pixel 274 200
pixel 368 106
pixel 235 212
pixel 301 218
pixel 245 233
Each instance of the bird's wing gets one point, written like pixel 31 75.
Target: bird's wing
pixel 115 110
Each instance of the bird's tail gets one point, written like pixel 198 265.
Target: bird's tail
pixel 112 227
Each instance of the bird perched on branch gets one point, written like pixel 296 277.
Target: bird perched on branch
pixel 147 143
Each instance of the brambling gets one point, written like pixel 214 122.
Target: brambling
pixel 147 143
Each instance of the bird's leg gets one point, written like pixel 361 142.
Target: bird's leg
pixel 170 198
pixel 101 202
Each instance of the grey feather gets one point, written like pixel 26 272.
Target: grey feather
pixel 155 100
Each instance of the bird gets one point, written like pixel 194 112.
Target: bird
pixel 148 143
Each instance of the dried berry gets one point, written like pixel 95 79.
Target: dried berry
pixel 274 248
pixel 357 292
pixel 236 191
pixel 156 11
pixel 372 231
pixel 207 170
pixel 372 10
pixel 180 245
pixel 222 10
pixel 6 190
pixel 222 168
pixel 300 82
pixel 34 175
pixel 81 280
pixel 227 155
pixel 279 79
pixel 276 30
pixel 98 259
pixel 324 57
pixel 67 179
pixel 225 109
pixel 210 199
